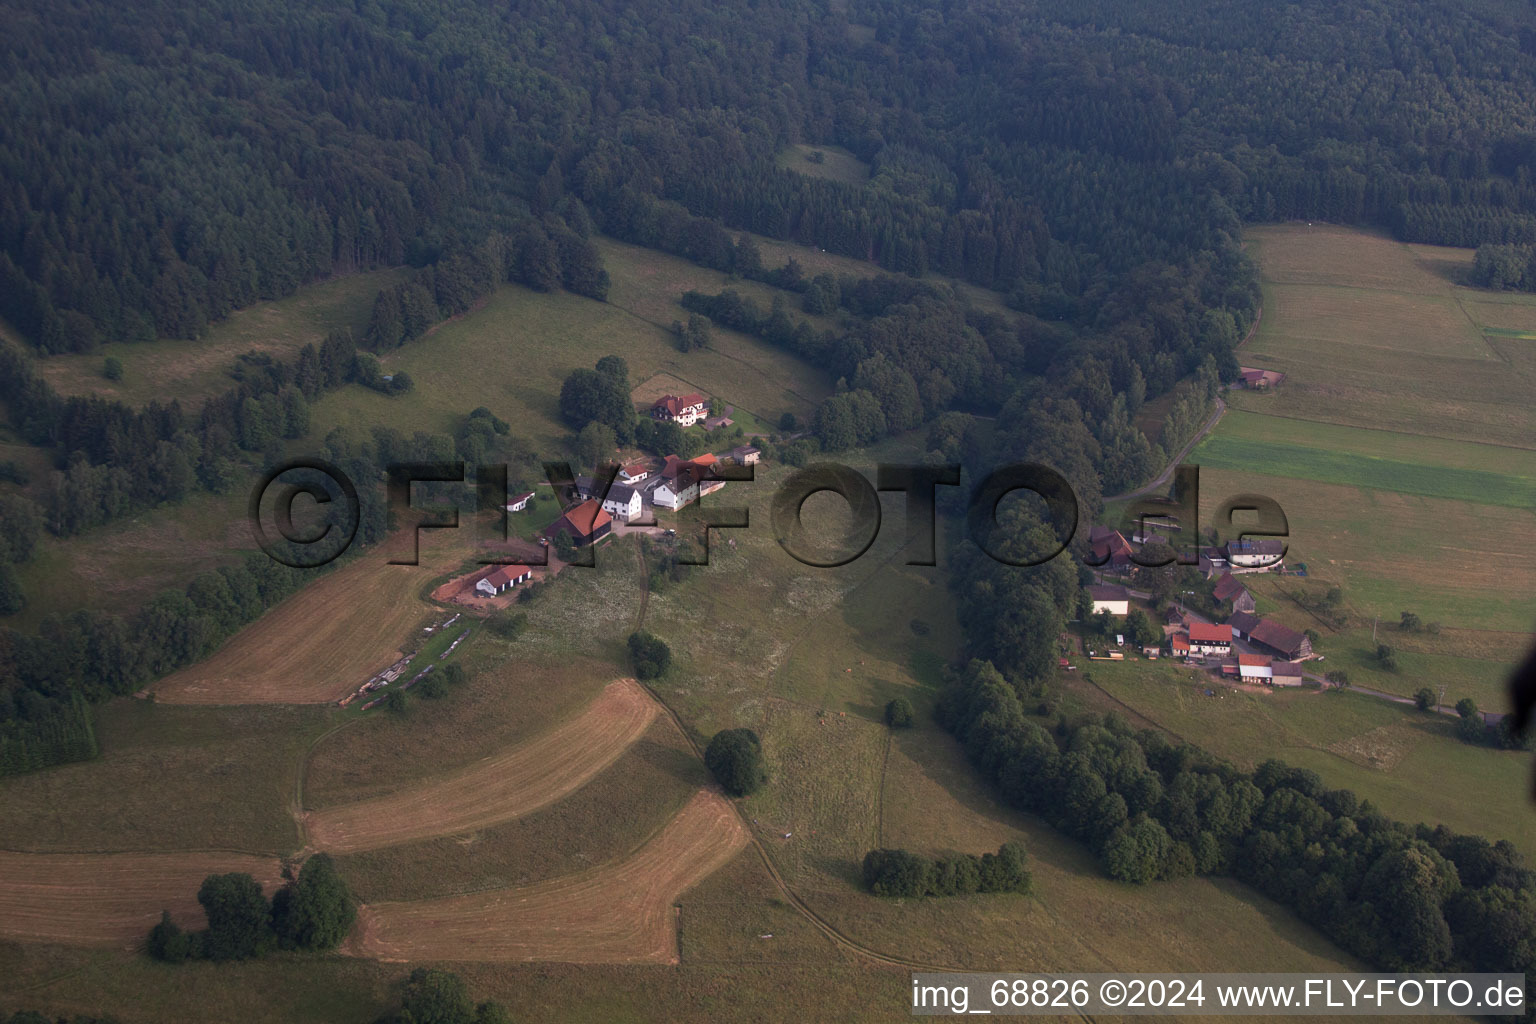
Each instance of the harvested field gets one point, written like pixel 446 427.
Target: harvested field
pixel 497 789
pixel 110 899
pixel 315 647
pixel 619 913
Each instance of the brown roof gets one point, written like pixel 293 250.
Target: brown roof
pixel 1180 642
pixel 1227 587
pixel 501 575
pixel 674 405
pixel 1255 660
pixel 1273 634
pixel 1243 622
pixel 1209 632
pixel 635 468
pixel 1287 668
pixel 587 518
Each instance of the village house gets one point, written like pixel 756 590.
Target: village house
pixel 1179 645
pixel 746 454
pixel 1254 667
pixel 502 577
pixel 685 411
pixel 682 481
pixel 1249 555
pixel 1283 640
pixel 1108 548
pixel 1228 589
pixel 621 501
pixel 1208 638
pixel 634 473
pixel 520 502
pixel 585 524
pixel 1173 615
pixel 1115 600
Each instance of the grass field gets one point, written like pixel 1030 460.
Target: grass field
pixel 518 782
pixel 194 370
pixel 1408 763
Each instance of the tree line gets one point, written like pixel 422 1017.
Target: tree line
pixel 902 873
pixel 1404 898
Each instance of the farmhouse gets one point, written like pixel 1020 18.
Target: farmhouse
pixel 682 481
pixel 1248 555
pixel 1255 379
pixel 634 473
pixel 1115 600
pixel 746 454
pixel 1180 645
pixel 1254 666
pixel 520 502
pixel 585 524
pixel 621 501
pixel 1209 638
pixel 1108 547
pixel 1228 589
pixel 501 577
pixel 1283 640
pixel 1242 623
pixel 685 411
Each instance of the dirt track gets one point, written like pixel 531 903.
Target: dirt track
pixel 497 789
pixel 110 899
pixel 618 913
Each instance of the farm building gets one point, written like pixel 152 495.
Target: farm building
pixel 1249 555
pixel 746 454
pixel 1254 666
pixel 1283 640
pixel 634 473
pixel 1108 548
pixel 1180 645
pixel 1286 673
pixel 1228 589
pixel 685 411
pixel 1255 379
pixel 1173 615
pixel 1209 638
pixel 501 577
pixel 1242 623
pixel 1115 600
pixel 520 502
pixel 1213 562
pixel 585 524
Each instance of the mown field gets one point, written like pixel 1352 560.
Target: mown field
pixel 1402 444
pixel 835 164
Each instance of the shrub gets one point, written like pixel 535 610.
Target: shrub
pixel 735 758
pixel 396 701
pixel 649 654
pixel 316 911
pixel 433 687
pixel 904 874
pixel 898 713
pixel 112 368
pixel 1424 699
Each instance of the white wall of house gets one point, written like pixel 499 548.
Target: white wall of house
pixel 666 497
pixel 1113 607
pixel 625 510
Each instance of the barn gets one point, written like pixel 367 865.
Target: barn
pixel 501 578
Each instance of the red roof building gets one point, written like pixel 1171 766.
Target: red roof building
pixel 503 576
pixel 685 410
pixel 585 524
pixel 1210 638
